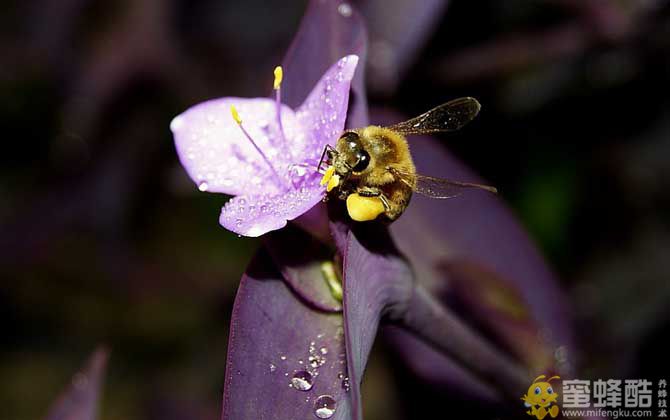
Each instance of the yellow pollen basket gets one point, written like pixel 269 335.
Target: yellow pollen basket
pixel 363 209
pixel 279 76
pixel 236 116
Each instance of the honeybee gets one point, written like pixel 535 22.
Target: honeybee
pixel 371 168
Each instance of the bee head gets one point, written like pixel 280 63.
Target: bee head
pixel 349 156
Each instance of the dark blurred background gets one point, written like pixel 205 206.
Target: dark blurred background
pixel 104 239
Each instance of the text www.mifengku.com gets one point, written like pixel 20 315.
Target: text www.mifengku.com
pixel 610 413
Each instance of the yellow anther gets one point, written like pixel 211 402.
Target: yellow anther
pixel 235 115
pixel 329 174
pixel 363 209
pixel 333 182
pixel 279 76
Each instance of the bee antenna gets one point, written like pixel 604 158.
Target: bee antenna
pixel 323 156
pixel 553 377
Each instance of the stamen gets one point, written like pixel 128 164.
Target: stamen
pixel 238 120
pixel 333 279
pixel 279 76
pixel 327 175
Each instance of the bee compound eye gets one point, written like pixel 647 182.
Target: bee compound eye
pixel 363 161
pixel 352 139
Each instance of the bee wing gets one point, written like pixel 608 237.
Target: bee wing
pixel 437 187
pixel 450 116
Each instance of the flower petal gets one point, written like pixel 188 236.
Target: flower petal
pixel 274 337
pixel 255 215
pixel 218 156
pixel 324 112
pixel 326 34
pixel 80 400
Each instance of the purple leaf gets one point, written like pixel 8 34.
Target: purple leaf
pixel 376 282
pixel 282 355
pixel 398 31
pixel 379 284
pixel 301 266
pixel 80 400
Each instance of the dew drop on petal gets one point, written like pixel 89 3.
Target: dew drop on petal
pixel 203 186
pixel 272 367
pixel 344 9
pixel 302 380
pixel 324 407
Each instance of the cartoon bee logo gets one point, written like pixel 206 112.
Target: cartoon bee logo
pixel 541 398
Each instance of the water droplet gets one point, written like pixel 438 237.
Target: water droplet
pixel 345 384
pixel 302 380
pixel 344 9
pixel 283 357
pixel 561 354
pixel 79 380
pixel 323 350
pixel 272 367
pixel 177 123
pixel 324 407
pixel 203 186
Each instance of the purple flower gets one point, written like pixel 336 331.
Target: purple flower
pixel 266 153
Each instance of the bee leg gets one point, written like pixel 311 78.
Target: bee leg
pixel 369 192
pixel 385 202
pixel 375 192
